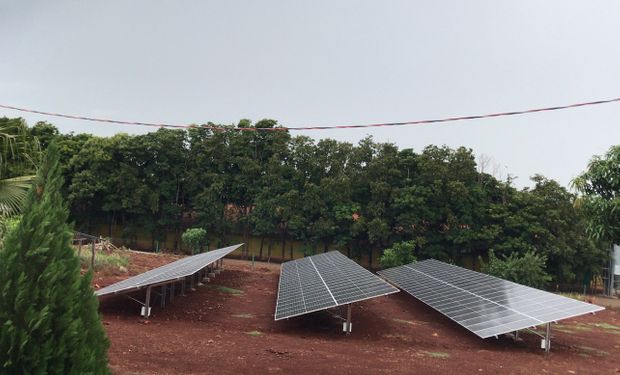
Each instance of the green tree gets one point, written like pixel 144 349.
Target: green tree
pixel 48 311
pixel 195 239
pixel 600 186
pixel 528 269
pixel 19 157
pixel 45 133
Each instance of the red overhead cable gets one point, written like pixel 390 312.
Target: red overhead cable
pixel 213 127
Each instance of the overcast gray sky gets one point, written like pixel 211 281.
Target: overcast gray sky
pixel 329 62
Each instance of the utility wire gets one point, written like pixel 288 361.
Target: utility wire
pixel 353 126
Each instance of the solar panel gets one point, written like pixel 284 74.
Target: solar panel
pixel 169 272
pixel 483 304
pixel 323 281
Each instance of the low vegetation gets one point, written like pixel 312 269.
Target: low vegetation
pixel 105 262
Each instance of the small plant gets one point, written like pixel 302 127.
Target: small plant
pixel 195 239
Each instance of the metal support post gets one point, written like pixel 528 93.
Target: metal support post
pixel 348 327
pixel 548 338
pixel 211 271
pixel 191 283
pixel 163 296
pixel 147 303
pixel 516 335
pixel 183 287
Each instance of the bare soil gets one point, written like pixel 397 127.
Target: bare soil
pixel 227 327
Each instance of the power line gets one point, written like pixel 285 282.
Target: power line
pixel 328 127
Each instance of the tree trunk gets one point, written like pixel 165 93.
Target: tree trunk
pixel 177 238
pixel 110 225
pixel 291 250
pixel 283 244
pixel 246 245
pixel 260 251
pixel 269 246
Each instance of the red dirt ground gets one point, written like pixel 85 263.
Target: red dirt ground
pixel 215 330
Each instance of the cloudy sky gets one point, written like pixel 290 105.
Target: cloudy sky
pixel 329 62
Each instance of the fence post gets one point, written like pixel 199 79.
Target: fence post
pixel 92 258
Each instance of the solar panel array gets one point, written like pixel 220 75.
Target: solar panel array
pixel 169 272
pixel 485 305
pixel 323 281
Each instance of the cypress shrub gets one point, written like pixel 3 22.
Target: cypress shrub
pixel 49 321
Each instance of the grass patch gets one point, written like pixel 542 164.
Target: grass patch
pixel 573 328
pixel 244 316
pixel 403 321
pixel 441 355
pixel 254 333
pixel 564 330
pixel 395 336
pixel 103 261
pixel 592 351
pixel 225 289
pixel 606 326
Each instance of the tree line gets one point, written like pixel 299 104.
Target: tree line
pixel 358 198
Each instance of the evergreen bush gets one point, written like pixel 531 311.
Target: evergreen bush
pixel 49 323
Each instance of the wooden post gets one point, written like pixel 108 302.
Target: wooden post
pixel 92 259
pixel 80 247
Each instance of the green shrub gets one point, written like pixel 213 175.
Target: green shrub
pixel 195 239
pixel 399 254
pixel 528 269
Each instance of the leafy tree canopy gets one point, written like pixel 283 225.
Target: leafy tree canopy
pixel 600 186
